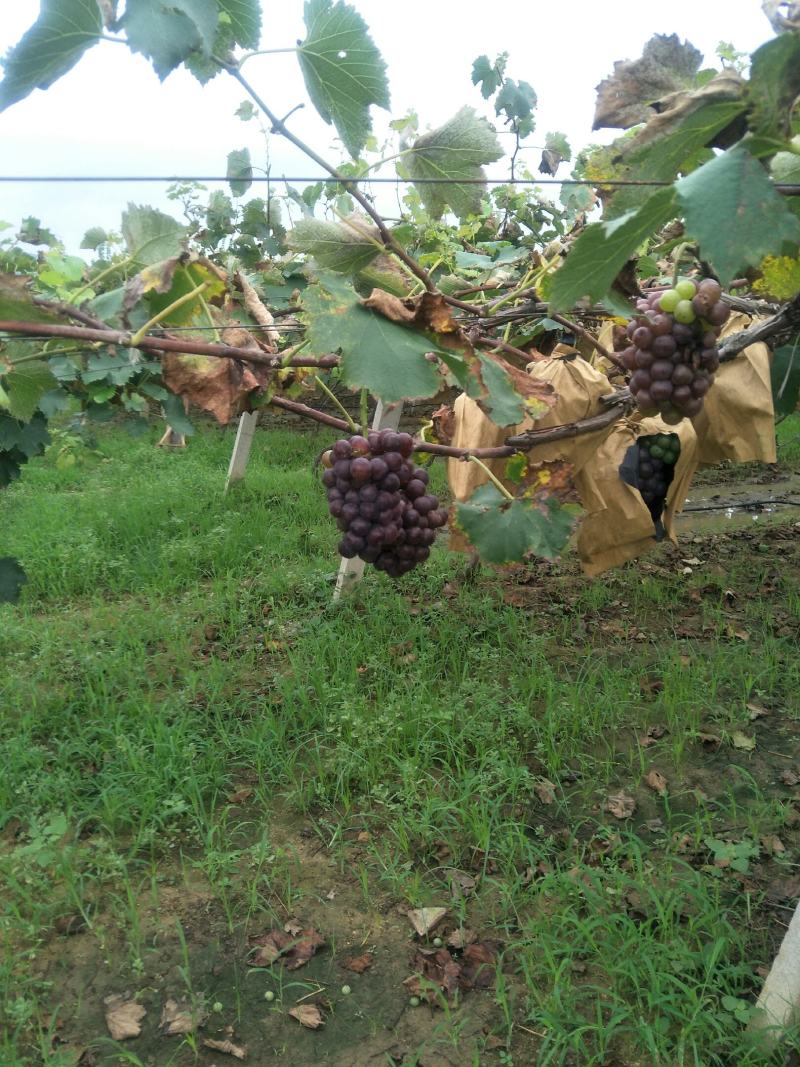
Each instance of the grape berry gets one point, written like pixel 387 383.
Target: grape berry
pixel 380 501
pixel 672 348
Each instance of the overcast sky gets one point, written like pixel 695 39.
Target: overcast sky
pixel 111 115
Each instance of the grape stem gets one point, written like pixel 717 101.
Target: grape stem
pixel 492 478
pixel 335 400
pixel 684 246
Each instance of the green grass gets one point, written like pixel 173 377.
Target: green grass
pixel 174 645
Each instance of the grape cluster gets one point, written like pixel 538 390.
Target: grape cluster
pixel 672 348
pixel 381 502
pixel 658 454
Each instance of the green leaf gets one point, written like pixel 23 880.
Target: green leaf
pixel 51 47
pixel 731 208
pixel 150 235
pixel 33 233
pixel 33 437
pixel 489 75
pixel 774 85
pixel 94 237
pixel 25 384
pixel 16 300
pixel 12 579
pixel 503 531
pixel 343 70
pixel 117 369
pixel 457 150
pixel 335 246
pixel 502 403
pixel 516 100
pixel 602 249
pixel 377 354
pixel 785 372
pixel 245 21
pixel 176 416
pixel 168 31
pixel 240 171
pixel 785 166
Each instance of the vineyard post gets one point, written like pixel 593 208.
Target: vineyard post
pixel 352 570
pixel 241 448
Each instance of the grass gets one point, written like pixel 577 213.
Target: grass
pixel 186 713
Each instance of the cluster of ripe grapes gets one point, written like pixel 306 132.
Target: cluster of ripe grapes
pixel 381 502
pixel 658 454
pixel 672 348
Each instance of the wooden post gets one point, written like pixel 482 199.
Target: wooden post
pixel 241 448
pixel 352 570
pixel 778 1007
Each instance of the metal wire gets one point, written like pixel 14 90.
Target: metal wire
pixel 790 188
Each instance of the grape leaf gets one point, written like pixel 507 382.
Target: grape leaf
pixel 556 150
pixel 176 416
pixel 489 75
pixel 774 86
pixel 151 236
pixel 25 384
pixel 50 48
pixel 457 150
pixel 245 21
pixel 16 300
pixel 343 70
pixel 665 65
pixel 785 166
pixel 785 371
pixel 334 246
pixel 503 531
pixel 516 100
pixel 601 250
pixel 377 354
pixel 168 31
pixel 240 171
pixel 12 579
pixel 731 208
pixel 94 237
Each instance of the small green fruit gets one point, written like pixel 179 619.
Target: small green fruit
pixel 686 289
pixel 414 1002
pixel 684 312
pixel 670 299
pixel 346 990
pixel 269 995
pixel 217 1006
pixel 437 942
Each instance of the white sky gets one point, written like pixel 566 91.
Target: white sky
pixel 111 115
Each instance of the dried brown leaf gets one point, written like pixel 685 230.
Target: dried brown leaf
pixel 742 741
pixel 620 805
pixel 657 782
pixel 789 777
pixel 444 424
pixel 545 790
pixel 459 939
pixel 179 1018
pixel 123 1016
pixel 359 964
pixel 218 386
pixel 426 919
pixel 228 1047
pixel 293 950
pixel 308 1015
pixel 772 844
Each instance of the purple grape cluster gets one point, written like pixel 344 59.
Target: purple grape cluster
pixel 672 348
pixel 658 454
pixel 381 502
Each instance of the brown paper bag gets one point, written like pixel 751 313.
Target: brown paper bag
pixel 578 387
pixel 737 421
pixel 617 525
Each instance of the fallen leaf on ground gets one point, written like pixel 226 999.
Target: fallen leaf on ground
pixel 177 1019
pixel 620 805
pixel 308 1015
pixel 361 963
pixel 657 782
pixel 772 844
pixel 228 1047
pixel 652 734
pixel 292 927
pixel 708 740
pixel 545 791
pixel 436 968
pixel 292 950
pixel 462 937
pixel 70 924
pixel 756 711
pixel 123 1017
pixel 461 883
pixel 240 796
pixel 425 919
pixel 789 777
pixel 741 740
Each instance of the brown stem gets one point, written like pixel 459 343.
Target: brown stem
pixel 531 438
pixel 391 244
pixel 785 322
pixel 165 344
pixel 503 346
pixel 590 339
pixel 310 413
pixel 69 309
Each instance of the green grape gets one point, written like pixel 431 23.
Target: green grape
pixel 656 451
pixel 684 312
pixel 686 289
pixel 670 299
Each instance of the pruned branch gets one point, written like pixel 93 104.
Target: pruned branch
pixel 779 327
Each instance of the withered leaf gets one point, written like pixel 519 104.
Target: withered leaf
pixel 741 740
pixel 359 964
pixel 477 965
pixel 772 844
pixel 228 1047
pixel 178 1019
pixel 657 782
pixel 308 1015
pixel 436 970
pixel 789 777
pixel 459 939
pixel 218 386
pixel 652 734
pixel 545 791
pixel 426 919
pixel 123 1016
pixel 620 805
pixel 461 883
pixel 293 950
